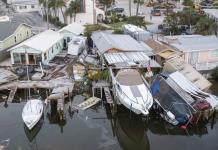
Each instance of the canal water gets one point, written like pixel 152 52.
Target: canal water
pixel 97 129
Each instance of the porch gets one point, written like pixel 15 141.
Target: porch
pixel 26 58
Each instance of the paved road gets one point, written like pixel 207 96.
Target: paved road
pixel 33 18
pixel 155 20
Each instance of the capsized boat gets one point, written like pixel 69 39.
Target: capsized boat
pixel 174 107
pixel 132 91
pixel 32 112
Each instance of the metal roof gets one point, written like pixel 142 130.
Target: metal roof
pixel 127 59
pixel 105 41
pixel 74 28
pixel 212 12
pixel 189 43
pixel 42 41
pixel 7 28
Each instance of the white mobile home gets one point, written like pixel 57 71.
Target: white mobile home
pixel 40 48
pixel 25 5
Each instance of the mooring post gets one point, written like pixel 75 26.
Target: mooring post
pixel 101 92
pixel 93 92
pixel 68 94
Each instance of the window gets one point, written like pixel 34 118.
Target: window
pixel 32 6
pixel 27 33
pixel 15 39
pixel 52 50
pixel 45 56
pixel 214 54
pixel 16 58
pixel 22 7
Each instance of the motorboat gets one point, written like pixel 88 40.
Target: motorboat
pixel 171 101
pixel 131 90
pixel 32 112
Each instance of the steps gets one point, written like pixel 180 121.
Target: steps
pixel 108 95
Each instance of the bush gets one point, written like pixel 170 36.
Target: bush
pixel 118 31
pixel 215 73
pixel 137 20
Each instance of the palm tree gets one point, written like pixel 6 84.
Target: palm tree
pixel 52 5
pixel 43 3
pixel 60 4
pixel 138 2
pixel 73 9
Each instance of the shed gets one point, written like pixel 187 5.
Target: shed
pixel 73 29
pixel 136 32
pixel 39 48
pixel 162 51
pixel 106 42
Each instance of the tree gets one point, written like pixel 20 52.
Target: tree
pixel 73 9
pixel 188 3
pixel 206 26
pixel 172 21
pixel 138 3
pixel 215 74
pixel 44 4
pixel 60 4
pixel 106 3
pixel 137 20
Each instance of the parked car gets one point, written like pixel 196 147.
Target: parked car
pixel 156 12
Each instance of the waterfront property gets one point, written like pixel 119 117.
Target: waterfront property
pixel 25 5
pixel 199 51
pixel 39 48
pixel 73 29
pixel 13 33
pixel 162 52
pixel 121 50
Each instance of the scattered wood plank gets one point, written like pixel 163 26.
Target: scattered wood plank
pixel 12 94
pixel 89 103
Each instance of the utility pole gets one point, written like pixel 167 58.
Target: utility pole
pixel 130 7
pixel 93 11
pixel 47 13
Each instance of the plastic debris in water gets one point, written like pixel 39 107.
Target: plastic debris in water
pixel 4 144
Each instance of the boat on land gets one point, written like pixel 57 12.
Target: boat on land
pixel 32 112
pixel 132 91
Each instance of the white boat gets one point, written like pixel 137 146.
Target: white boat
pixel 32 112
pixel 132 91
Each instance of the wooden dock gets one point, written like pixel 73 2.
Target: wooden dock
pixel 60 103
pixel 99 85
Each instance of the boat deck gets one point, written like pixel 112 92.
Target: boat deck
pixel 129 77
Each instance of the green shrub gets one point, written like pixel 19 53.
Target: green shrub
pixel 215 73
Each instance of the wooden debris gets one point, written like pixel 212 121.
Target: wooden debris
pixel 7 76
pixel 12 93
pixel 89 103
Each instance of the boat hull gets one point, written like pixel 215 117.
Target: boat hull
pixel 32 113
pixel 136 108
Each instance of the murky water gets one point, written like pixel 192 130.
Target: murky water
pixel 97 129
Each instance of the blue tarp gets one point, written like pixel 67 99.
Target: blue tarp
pixel 155 87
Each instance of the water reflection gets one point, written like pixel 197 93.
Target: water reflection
pixel 131 131
pixel 54 117
pixel 31 134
